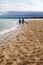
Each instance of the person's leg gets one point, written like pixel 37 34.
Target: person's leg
pixel 21 21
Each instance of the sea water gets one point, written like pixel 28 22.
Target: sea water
pixel 7 25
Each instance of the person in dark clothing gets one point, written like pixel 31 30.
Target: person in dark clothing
pixel 22 21
pixel 19 21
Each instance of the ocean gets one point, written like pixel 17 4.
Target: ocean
pixel 7 25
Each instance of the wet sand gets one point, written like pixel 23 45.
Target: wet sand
pixel 23 46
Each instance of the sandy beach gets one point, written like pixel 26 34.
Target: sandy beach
pixel 23 46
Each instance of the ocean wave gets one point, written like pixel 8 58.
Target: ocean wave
pixel 8 30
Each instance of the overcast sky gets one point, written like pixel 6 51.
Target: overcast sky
pixel 21 5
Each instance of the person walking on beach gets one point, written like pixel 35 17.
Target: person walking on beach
pixel 23 21
pixel 19 21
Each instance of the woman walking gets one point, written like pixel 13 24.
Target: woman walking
pixel 19 21
pixel 22 21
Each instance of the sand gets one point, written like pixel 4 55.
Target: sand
pixel 23 46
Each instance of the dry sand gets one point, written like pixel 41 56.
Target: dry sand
pixel 23 46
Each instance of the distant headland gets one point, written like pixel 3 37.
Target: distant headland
pixel 22 14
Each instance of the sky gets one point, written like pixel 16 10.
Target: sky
pixel 21 5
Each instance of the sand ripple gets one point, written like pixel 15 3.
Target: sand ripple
pixel 24 46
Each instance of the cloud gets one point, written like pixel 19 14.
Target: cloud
pixel 21 5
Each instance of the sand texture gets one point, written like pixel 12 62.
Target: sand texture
pixel 23 46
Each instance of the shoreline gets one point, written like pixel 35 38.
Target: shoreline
pixel 23 46
pixel 8 30
pixel 14 28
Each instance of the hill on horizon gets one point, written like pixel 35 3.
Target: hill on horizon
pixel 22 14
